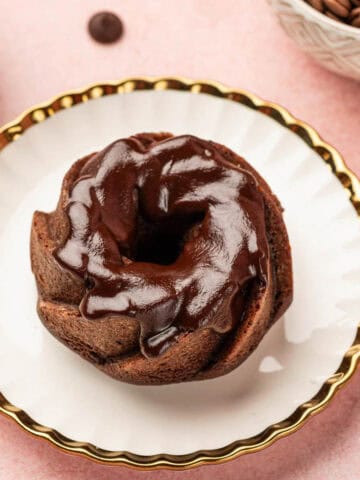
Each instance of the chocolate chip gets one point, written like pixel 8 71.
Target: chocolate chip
pixel 105 27
pixel 340 8
pixel 332 16
pixel 317 4
pixel 354 17
pixel 345 11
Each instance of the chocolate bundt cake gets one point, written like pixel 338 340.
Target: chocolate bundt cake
pixel 166 259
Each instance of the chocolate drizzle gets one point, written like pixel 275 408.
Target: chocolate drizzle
pixel 170 233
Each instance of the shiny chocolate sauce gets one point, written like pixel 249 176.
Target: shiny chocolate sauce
pixel 170 233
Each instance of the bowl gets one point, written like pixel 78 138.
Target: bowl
pixel 333 44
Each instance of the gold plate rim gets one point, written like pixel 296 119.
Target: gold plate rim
pixel 38 113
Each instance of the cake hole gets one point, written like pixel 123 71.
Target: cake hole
pixel 162 242
pixel 89 283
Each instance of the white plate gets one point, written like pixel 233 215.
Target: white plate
pixel 60 390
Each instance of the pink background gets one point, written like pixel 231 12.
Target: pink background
pixel 45 49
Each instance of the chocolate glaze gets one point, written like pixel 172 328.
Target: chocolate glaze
pixel 170 233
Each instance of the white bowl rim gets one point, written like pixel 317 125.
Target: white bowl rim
pixel 312 14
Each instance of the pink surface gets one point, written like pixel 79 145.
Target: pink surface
pixel 45 49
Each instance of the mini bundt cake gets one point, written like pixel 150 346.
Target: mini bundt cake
pixel 166 259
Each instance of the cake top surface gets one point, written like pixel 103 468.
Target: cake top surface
pixel 170 232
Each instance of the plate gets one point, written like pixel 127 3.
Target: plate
pixel 303 360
